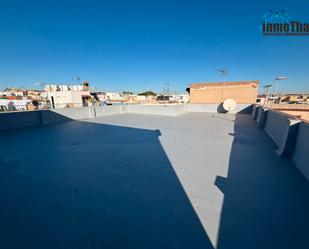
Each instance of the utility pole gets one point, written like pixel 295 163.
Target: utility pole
pixel 168 91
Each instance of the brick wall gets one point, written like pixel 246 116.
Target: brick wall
pixel 242 94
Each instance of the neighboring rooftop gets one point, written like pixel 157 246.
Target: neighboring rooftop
pixel 232 83
pixel 197 180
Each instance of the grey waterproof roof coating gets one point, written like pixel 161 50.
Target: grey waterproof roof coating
pixel 140 181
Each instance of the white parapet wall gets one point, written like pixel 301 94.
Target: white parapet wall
pixel 214 108
pixel 109 110
pixel 261 116
pixel 300 157
pixel 289 133
pixel 168 109
pixel 281 128
pixel 62 115
pixel 254 112
pixel 15 120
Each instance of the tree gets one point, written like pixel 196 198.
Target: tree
pixel 127 93
pixel 147 93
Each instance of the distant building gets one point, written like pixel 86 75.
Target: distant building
pixel 294 98
pixel 109 97
pixel 180 98
pixel 10 91
pixel 140 99
pixel 21 99
pixel 261 99
pixel 114 97
pixel 64 96
pixel 100 96
pixel 13 103
pixel 243 92
pixel 173 98
pixel 12 99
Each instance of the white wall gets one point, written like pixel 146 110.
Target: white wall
pixel 279 127
pixel 62 98
pixel 214 108
pixel 300 156
pixel 18 103
pixel 109 110
pixel 114 96
pixel 291 135
pixel 168 109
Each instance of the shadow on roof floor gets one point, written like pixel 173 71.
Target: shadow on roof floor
pixel 266 200
pixel 87 185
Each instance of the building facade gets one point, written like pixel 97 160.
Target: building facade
pixel 64 96
pixel 243 92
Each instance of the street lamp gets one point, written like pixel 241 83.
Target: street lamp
pixel 266 87
pixel 276 82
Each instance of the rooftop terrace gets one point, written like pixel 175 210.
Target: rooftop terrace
pixel 196 180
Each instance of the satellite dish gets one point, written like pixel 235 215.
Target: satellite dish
pixel 229 105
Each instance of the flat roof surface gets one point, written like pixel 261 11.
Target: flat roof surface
pixel 198 180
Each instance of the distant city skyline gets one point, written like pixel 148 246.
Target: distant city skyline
pixel 142 45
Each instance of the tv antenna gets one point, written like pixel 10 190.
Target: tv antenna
pixel 41 84
pixel 223 73
pixel 76 80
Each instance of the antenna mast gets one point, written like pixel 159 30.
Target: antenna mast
pixel 223 73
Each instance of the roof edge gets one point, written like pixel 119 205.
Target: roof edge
pixel 228 83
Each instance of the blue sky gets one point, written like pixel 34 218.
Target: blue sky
pixel 135 45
